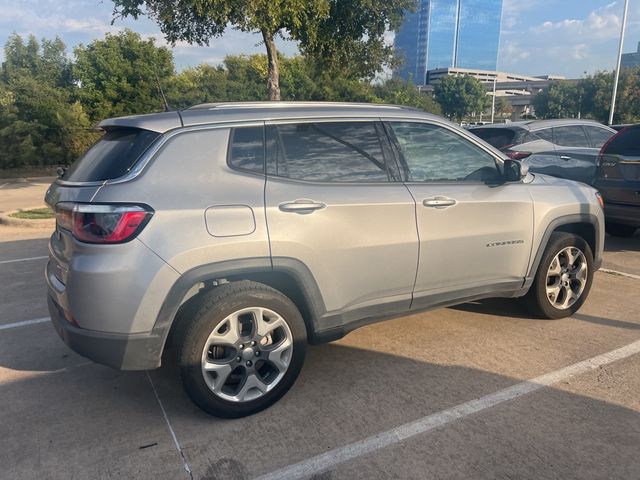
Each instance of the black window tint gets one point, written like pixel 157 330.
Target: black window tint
pixel 112 156
pixel 433 154
pixel 627 142
pixel 246 149
pixel 498 137
pixel 329 152
pixel 573 136
pixel 546 134
pixel 599 136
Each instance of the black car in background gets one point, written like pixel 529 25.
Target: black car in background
pixel 562 148
pixel 618 179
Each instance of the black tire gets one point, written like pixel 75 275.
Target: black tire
pixel 536 299
pixel 207 312
pixel 620 230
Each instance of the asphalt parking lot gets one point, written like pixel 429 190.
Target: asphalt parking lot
pixel 476 391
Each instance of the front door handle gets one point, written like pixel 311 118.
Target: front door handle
pixel 565 157
pixel 438 202
pixel 301 206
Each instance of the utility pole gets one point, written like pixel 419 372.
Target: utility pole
pixel 493 100
pixel 617 75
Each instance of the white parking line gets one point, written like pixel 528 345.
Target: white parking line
pixel 173 434
pixel 24 323
pixel 23 259
pixel 4 184
pixel 323 462
pixel 622 274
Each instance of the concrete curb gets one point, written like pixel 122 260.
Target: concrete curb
pixel 5 219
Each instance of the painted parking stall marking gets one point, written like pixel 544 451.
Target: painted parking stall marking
pixel 322 463
pixel 24 323
pixel 23 259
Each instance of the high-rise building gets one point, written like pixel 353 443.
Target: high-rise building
pixel 449 34
pixel 630 60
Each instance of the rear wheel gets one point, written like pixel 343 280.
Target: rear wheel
pixel 242 349
pixel 619 230
pixel 563 278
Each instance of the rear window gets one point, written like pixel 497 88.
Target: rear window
pixel 627 142
pixel 112 156
pixel 497 137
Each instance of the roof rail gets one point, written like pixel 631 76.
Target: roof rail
pixel 280 104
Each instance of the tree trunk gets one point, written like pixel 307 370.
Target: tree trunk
pixel 273 81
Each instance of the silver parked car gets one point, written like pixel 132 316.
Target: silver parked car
pixel 562 148
pixel 238 233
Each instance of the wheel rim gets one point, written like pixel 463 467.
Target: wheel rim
pixel 566 278
pixel 247 354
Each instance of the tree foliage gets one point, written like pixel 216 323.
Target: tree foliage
pixel 346 35
pixel 119 75
pixel 460 96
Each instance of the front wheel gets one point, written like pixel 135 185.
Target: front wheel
pixel 242 349
pixel 563 278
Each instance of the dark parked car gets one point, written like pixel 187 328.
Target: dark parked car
pixel 562 148
pixel 618 179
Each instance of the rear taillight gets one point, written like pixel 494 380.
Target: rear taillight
pixel 516 155
pixel 600 200
pixel 97 223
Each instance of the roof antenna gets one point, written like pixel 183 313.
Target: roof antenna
pixel 164 99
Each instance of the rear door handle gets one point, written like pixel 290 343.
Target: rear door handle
pixel 301 206
pixel 438 202
pixel 565 157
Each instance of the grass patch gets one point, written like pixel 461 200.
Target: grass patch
pixel 34 214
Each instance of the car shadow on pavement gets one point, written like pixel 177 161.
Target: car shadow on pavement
pixel 343 395
pixel 512 308
pixel 622 244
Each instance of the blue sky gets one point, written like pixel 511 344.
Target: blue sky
pixel 562 37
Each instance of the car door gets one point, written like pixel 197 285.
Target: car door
pixel 333 206
pixel 577 158
pixel 475 230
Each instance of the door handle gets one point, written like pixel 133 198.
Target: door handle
pixel 301 206
pixel 438 202
pixel 565 157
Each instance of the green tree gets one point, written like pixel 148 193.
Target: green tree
pixel 562 99
pixel 401 92
pixel 40 124
pixel 119 75
pixel 323 28
pixel 350 41
pixel 460 96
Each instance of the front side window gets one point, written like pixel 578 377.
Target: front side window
pixel 571 136
pixel 431 153
pixel 328 152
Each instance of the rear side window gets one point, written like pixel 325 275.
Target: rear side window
pixel 112 156
pixel 328 152
pixel 545 134
pixel 627 142
pixel 498 137
pixel 572 136
pixel 599 136
pixel 246 149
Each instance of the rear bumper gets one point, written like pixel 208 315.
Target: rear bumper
pixel 623 214
pixel 124 352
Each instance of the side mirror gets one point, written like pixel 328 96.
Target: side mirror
pixel 514 170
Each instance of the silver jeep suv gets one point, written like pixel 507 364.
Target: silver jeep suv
pixel 239 233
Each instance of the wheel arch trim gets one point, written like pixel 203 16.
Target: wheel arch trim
pixel 553 226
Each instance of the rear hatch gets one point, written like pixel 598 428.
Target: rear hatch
pixel 111 157
pixel 618 175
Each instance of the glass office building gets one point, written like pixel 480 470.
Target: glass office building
pixel 449 34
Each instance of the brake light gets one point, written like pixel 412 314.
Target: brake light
pixel 516 155
pixel 95 223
